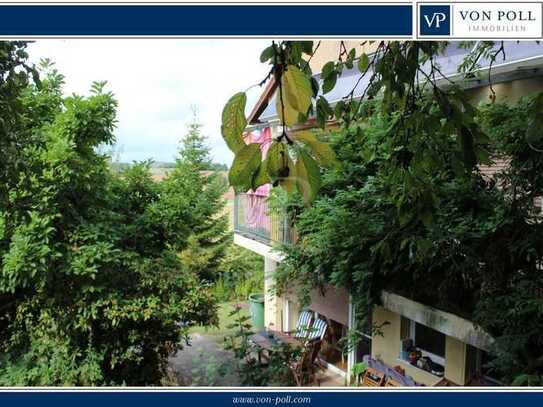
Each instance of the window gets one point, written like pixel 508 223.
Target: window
pixel 420 343
pixel 429 340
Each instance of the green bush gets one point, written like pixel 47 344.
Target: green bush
pixel 276 372
pixel 241 272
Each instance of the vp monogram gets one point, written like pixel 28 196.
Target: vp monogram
pixel 435 20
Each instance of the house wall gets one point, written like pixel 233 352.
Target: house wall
pixel 333 303
pixel 455 360
pixel 329 51
pixel 275 306
pixel 507 91
pixel 385 344
pixel 294 310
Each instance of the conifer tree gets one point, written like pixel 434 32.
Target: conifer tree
pixel 190 178
pixel 194 149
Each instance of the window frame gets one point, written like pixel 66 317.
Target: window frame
pixel 440 360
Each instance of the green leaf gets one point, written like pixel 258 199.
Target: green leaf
pixel 324 111
pixel 327 69
pixel 322 151
pixel 290 114
pixel 277 161
pixel 329 82
pixel 234 122
pixel 339 109
pixel 267 54
pixel 308 177
pixel 261 177
pixel 363 63
pixel 245 165
pixel 294 53
pixel 297 89
pixel 350 58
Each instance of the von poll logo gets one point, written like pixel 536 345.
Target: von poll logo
pixel 481 20
pixel 435 20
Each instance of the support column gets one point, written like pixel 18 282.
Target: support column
pixel 351 356
pixel 272 303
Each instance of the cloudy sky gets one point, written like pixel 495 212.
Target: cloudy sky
pixel 156 82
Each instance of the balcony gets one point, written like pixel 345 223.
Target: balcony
pixel 254 220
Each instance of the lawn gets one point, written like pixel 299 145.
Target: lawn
pixel 224 320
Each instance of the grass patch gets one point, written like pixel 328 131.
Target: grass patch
pixel 224 320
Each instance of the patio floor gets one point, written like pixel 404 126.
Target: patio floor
pixel 328 378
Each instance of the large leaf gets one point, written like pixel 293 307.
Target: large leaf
pixel 308 177
pixel 322 151
pixel 277 160
pixel 297 89
pixel 329 77
pixel 327 69
pixel 329 82
pixel 291 115
pixel 244 167
pixel 261 177
pixel 234 121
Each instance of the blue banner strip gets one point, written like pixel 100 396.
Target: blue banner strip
pixel 206 20
pixel 252 398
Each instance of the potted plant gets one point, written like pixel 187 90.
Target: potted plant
pixel 357 371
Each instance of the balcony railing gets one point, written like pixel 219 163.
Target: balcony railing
pixel 254 220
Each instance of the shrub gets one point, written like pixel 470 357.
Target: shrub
pixel 241 272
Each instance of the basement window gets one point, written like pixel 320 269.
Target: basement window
pixel 423 346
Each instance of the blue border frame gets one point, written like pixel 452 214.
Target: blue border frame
pixel 379 397
pixel 251 20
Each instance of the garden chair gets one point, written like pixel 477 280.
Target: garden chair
pixel 373 378
pixel 304 370
pixel 317 331
pixel 303 325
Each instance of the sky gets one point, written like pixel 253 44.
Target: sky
pixel 156 82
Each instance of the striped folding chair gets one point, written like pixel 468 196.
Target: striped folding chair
pixel 318 329
pixel 303 325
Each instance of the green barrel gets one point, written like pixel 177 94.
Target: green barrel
pixel 256 303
